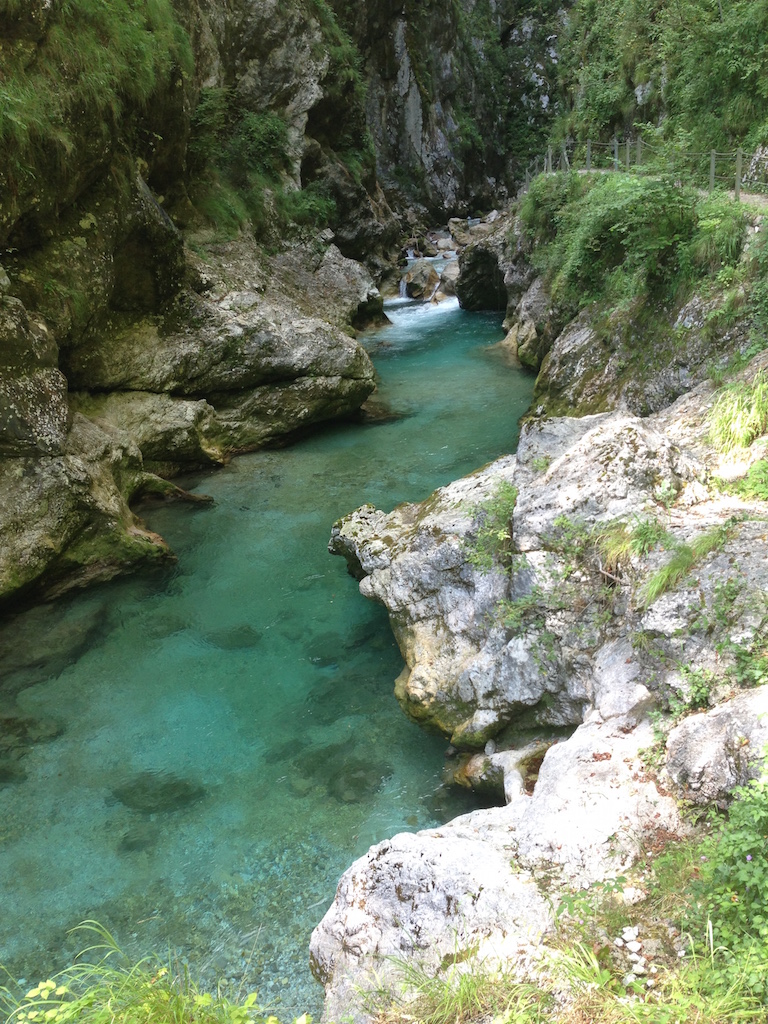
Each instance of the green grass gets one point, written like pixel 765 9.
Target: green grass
pixel 740 414
pixel 683 560
pixel 462 994
pixel 112 990
pixel 98 58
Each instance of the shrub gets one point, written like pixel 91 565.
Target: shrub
pixel 491 545
pixel 731 895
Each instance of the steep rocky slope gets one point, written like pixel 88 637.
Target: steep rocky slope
pixel 583 621
pixel 139 144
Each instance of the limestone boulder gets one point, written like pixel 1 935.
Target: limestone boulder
pixel 166 429
pixel 471 885
pixel 421 280
pixel 430 898
pixel 594 803
pixel 480 284
pixel 239 343
pixel 609 472
pixel 64 519
pixel 448 277
pixel 711 753
pixel 330 287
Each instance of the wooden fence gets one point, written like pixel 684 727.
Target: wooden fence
pixel 737 171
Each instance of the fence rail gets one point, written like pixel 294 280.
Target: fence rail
pixel 737 171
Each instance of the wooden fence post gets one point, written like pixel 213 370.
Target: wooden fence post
pixel 589 154
pixel 527 179
pixel 639 150
pixel 626 154
pixel 566 161
pixel 615 153
pixel 712 157
pixel 739 158
pixel 549 160
pixel 536 166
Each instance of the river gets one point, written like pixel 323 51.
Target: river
pixel 226 741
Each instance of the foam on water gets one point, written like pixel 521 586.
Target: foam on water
pixel 226 742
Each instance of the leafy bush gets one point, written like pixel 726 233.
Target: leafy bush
pixel 613 237
pixel 491 545
pixel 693 67
pixel 732 891
pixel 238 160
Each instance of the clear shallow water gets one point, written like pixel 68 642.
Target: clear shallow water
pixel 226 741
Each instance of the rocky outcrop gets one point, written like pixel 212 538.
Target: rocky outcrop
pixel 576 620
pixel 470 890
pixel 412 898
pixel 64 518
pixel 710 754
pixel 484 649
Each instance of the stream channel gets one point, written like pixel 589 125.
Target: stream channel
pixel 194 757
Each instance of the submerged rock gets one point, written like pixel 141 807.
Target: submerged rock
pixel 156 793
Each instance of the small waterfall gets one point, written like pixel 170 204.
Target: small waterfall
pixel 435 290
pixel 403 291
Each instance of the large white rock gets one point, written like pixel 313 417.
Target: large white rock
pixel 429 898
pixel 710 754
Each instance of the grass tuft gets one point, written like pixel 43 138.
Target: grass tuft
pixel 740 414
pixel 114 991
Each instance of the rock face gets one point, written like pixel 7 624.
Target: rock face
pixel 567 625
pixel 445 82
pixel 709 754
pixel 412 897
pixel 469 889
pixel 177 359
pixel 468 673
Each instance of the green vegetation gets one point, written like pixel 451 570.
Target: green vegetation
pixel 730 896
pixel 683 560
pixel 114 991
pixel 238 159
pixel 460 996
pixel 97 61
pixel 753 486
pixel 740 414
pixel 491 546
pixel 620 238
pixel 694 67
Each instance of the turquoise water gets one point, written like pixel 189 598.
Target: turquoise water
pixel 221 740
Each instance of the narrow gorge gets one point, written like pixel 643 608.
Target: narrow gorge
pixel 274 272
